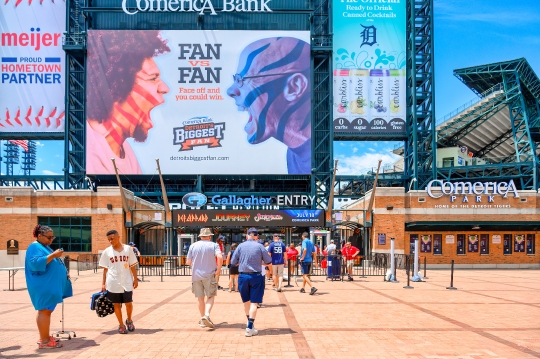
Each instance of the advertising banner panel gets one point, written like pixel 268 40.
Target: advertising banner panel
pixel 249 218
pixel 32 85
pixel 203 102
pixel 369 66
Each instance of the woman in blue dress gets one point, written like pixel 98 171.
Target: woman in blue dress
pixel 47 281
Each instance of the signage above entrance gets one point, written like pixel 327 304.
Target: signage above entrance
pixel 476 189
pixel 240 218
pixel 194 200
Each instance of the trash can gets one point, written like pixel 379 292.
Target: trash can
pixel 334 267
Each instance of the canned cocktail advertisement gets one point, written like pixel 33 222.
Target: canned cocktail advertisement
pixel 369 58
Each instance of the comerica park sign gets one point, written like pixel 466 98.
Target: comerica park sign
pixel 476 189
pixel 198 6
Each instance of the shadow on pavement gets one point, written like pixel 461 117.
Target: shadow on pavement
pixel 137 331
pixel 3 353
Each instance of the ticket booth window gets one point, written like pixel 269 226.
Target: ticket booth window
pixel 530 243
pixel 484 244
pixel 519 243
pixel 507 246
pixel 460 245
pixel 437 244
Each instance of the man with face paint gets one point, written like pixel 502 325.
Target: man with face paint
pixel 124 85
pixel 272 85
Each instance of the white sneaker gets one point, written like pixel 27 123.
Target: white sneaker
pixel 206 321
pixel 251 332
pixel 201 324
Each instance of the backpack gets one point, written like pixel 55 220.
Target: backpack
pixel 103 306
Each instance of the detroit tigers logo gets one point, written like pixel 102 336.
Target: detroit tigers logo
pixel 368 35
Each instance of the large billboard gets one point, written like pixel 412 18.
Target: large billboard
pixel 32 82
pixel 203 102
pixel 249 218
pixel 369 52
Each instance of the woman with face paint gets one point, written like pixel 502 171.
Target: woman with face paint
pixel 124 85
pixel 272 85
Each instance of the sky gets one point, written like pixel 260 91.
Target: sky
pixel 467 33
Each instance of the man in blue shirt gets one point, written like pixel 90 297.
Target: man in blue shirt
pixel 278 252
pixel 307 257
pixel 249 257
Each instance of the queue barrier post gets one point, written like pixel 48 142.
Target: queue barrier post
pixel 452 277
pixel 407 265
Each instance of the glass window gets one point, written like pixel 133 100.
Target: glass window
pixel 460 244
pixel 484 244
pixel 73 234
pixel 530 244
pixel 507 244
pixel 437 244
pixel 448 162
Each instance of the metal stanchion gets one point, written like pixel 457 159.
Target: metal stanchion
pixel 408 286
pixel 288 274
pixel 452 278
pixel 425 266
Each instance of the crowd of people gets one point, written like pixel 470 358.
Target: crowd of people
pixel 249 263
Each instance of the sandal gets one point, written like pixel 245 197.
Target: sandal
pixel 50 338
pixel 122 329
pixel 51 344
pixel 130 325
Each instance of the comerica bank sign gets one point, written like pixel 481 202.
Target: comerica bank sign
pixel 476 190
pixel 132 7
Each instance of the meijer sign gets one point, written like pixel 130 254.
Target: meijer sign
pixel 469 188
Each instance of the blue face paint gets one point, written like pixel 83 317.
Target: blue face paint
pixel 287 115
pixel 272 88
pixel 290 58
pixel 251 57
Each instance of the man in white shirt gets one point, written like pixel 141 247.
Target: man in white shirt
pixel 205 258
pixel 119 278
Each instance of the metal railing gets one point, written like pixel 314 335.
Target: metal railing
pixel 172 266
pixel 87 262
pixel 482 96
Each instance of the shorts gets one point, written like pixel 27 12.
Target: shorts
pixel 233 270
pixel 277 270
pixel 306 267
pixel 251 287
pixel 126 297
pixel 204 287
pixel 350 262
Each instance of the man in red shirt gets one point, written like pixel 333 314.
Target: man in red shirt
pixel 349 252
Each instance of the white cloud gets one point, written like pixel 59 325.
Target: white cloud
pixel 40 160
pixel 51 173
pixel 354 150
pixel 39 144
pixel 371 149
pixel 341 144
pixel 57 156
pixel 355 165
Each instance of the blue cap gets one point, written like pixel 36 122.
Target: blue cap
pixel 131 243
pixel 252 230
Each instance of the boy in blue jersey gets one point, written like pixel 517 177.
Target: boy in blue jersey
pixel 307 257
pixel 278 252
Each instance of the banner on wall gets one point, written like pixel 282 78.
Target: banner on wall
pixel 369 57
pixel 32 85
pixel 203 102
pixel 249 218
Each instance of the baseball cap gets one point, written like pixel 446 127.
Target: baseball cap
pixel 331 241
pixel 131 243
pixel 252 230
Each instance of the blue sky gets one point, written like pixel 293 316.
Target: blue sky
pixel 467 33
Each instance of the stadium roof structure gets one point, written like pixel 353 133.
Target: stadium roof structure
pixel 502 125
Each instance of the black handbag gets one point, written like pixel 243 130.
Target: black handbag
pixel 103 306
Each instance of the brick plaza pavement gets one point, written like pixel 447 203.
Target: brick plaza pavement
pixel 493 314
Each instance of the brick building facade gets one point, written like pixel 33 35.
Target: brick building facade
pixel 95 212
pixel 493 232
